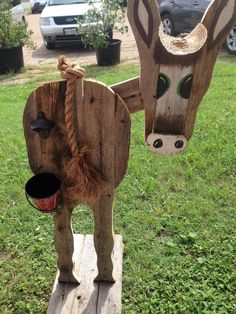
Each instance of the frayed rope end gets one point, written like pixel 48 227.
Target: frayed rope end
pixel 82 183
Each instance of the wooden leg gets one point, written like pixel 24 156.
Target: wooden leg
pixel 104 236
pixel 64 243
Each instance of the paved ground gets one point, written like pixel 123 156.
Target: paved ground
pixel 42 55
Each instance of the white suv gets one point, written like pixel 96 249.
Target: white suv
pixel 37 5
pixel 17 10
pixel 58 21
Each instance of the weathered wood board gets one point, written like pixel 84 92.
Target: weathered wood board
pixel 89 297
pixel 129 91
pixel 95 118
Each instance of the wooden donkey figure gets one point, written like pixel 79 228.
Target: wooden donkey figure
pixel 70 116
pixel 176 72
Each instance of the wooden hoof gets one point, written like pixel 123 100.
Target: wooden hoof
pixel 105 278
pixel 65 278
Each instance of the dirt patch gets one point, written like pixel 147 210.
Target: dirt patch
pixel 5 256
pixel 41 55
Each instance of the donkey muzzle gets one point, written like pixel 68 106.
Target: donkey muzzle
pixel 166 144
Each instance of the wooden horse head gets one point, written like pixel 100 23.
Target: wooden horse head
pixel 176 72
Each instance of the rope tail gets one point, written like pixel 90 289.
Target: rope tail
pixel 82 182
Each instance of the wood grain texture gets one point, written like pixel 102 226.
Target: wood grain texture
pixel 129 91
pixel 89 297
pixel 53 153
pixel 63 294
pixel 146 48
pixel 104 121
pixel 109 301
pixel 101 122
pixel 86 293
pixel 104 125
pixel 104 235
pixel 122 140
pixel 98 128
pixel 171 109
pixel 64 244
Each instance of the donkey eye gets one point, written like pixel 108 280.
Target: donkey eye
pixel 184 87
pixel 163 85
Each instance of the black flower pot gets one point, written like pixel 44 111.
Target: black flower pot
pixel 109 55
pixel 11 59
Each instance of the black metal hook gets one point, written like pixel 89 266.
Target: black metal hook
pixel 42 125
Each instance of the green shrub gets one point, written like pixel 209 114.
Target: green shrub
pixel 97 25
pixel 13 33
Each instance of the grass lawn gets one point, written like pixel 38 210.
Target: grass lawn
pixel 176 214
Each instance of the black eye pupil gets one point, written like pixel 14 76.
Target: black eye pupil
pixel 158 143
pixel 186 86
pixel 163 85
pixel 179 144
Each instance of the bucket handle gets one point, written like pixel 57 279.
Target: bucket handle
pixel 43 211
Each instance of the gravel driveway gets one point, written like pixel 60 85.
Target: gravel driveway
pixel 42 55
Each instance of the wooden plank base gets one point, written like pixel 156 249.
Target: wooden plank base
pixel 89 297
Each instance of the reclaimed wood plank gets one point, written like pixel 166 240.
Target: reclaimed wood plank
pixel 104 235
pixel 89 297
pixel 51 154
pixel 170 110
pixel 62 297
pixel 109 299
pixel 122 139
pixel 64 244
pixel 129 91
pixel 145 20
pixel 86 294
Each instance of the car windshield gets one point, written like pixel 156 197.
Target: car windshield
pixel 62 2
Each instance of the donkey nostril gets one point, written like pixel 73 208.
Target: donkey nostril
pixel 179 144
pixel 158 143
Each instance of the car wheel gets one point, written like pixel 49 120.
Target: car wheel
pixel 230 42
pixel 49 46
pixel 168 24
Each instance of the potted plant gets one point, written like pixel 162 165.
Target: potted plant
pixel 13 35
pixel 96 29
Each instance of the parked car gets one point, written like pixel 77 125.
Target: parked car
pixel 58 21
pixel 17 10
pixel 181 16
pixel 37 5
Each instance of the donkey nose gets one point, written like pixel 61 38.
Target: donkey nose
pixel 165 144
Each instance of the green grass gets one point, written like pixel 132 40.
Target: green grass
pixel 176 214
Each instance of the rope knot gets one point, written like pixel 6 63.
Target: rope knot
pixel 69 70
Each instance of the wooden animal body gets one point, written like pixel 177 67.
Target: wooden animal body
pixel 176 72
pixel 102 122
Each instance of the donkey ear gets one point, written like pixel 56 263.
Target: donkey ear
pixel 144 19
pixel 219 18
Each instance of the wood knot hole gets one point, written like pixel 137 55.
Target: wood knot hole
pixel 92 100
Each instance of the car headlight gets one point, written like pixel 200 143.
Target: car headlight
pixel 45 21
